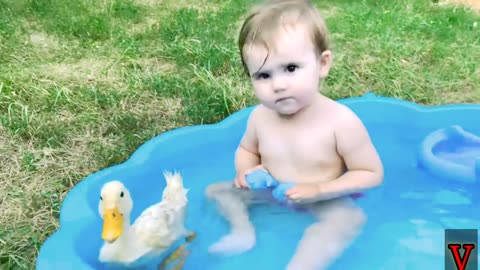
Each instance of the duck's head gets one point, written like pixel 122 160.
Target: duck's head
pixel 114 207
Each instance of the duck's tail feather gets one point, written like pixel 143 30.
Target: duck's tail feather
pixel 174 189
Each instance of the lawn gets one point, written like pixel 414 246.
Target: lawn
pixel 83 83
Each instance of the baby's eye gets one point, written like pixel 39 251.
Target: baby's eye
pixel 291 68
pixel 263 76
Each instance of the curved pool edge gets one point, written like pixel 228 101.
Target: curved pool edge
pixel 75 210
pixel 57 252
pixel 142 152
pixel 371 97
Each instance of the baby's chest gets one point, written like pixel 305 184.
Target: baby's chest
pixel 314 145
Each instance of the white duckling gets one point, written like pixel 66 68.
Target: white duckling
pixel 153 232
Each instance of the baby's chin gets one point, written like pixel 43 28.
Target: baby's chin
pixel 287 111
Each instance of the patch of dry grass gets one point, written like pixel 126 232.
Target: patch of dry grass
pixel 44 42
pixel 29 200
pixel 473 4
pixel 80 72
pixel 200 5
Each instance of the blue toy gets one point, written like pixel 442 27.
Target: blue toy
pixel 452 153
pixel 407 215
pixel 261 179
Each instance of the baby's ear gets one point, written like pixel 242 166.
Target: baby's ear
pixel 325 62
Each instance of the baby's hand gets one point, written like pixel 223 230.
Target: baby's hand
pixel 303 193
pixel 240 181
pixel 260 179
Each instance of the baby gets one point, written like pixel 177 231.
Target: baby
pixel 297 135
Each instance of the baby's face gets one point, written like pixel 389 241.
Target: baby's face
pixel 289 79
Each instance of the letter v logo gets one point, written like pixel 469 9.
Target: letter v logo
pixel 461 261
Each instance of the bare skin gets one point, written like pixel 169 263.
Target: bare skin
pixel 308 139
pixel 290 149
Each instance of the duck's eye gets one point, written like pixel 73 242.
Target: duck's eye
pixel 121 194
pixel 101 198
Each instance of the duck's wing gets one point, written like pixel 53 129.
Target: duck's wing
pixel 153 226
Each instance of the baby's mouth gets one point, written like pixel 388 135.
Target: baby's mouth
pixel 282 99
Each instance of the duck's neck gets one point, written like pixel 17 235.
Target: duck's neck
pixel 125 236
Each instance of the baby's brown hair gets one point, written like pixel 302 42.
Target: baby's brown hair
pixel 262 24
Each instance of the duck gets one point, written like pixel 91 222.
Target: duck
pixel 154 232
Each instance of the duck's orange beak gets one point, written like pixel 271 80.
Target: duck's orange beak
pixel 112 225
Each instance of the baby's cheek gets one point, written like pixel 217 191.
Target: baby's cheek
pixel 258 86
pixel 261 92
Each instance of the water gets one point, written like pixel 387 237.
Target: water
pixel 406 216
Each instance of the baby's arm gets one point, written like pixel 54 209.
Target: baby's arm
pixel 364 167
pixel 247 156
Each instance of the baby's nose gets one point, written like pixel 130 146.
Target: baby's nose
pixel 279 85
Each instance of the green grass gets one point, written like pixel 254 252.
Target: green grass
pixel 83 83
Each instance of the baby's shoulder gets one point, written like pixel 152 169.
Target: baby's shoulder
pixel 344 112
pixel 254 119
pixel 338 111
pixel 257 114
pixel 342 116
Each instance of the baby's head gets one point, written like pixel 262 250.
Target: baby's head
pixel 265 22
pixel 284 49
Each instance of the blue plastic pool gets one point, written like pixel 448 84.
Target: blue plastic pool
pixel 407 215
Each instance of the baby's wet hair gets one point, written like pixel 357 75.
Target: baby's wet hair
pixel 262 24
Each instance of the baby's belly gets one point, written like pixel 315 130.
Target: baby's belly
pixel 304 174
